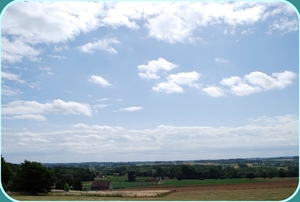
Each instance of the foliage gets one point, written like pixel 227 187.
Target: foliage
pixel 77 184
pixel 69 174
pixel 250 175
pixel 66 187
pixel 6 172
pixel 131 176
pixel 33 177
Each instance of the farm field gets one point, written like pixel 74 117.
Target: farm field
pixel 121 182
pixel 274 189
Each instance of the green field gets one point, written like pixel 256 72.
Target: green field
pixel 121 182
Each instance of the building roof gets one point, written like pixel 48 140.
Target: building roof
pixel 101 184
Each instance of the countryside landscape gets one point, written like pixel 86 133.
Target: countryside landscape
pixel 224 179
pixel 149 100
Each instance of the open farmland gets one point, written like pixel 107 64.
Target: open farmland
pixel 269 189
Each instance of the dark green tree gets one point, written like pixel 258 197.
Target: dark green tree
pixel 281 173
pixel 264 174
pixel 131 176
pixel 250 175
pixel 66 187
pixel 6 172
pixel 77 184
pixel 33 177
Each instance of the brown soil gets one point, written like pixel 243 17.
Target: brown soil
pixel 257 185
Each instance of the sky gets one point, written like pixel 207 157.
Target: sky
pixel 149 81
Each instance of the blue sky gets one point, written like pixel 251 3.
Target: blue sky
pixel 144 81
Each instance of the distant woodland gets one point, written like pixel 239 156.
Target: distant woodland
pixel 35 177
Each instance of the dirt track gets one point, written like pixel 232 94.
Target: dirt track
pixel 258 185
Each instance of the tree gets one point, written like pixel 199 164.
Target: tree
pixel 131 176
pixel 77 184
pixel 66 187
pixel 33 177
pixel 6 172
pixel 264 174
pixel 250 175
pixel 281 173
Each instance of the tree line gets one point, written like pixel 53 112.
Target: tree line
pixel 186 171
pixel 34 178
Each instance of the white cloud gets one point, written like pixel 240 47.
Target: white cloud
pixel 185 78
pixel 131 109
pixel 99 80
pixel 168 87
pixel 279 80
pixel 26 24
pixel 29 26
pixel 172 85
pixel 14 51
pixel 12 77
pixel 64 21
pixel 243 89
pixel 231 81
pixel 214 91
pixel 33 117
pixel 284 25
pixel 32 109
pixel 262 136
pixel 100 45
pixel 154 67
pixel 258 81
pixel 169 27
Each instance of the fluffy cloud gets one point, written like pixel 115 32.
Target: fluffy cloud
pixel 151 70
pixel 25 24
pixel 29 25
pixel 278 80
pixel 169 27
pixel 99 80
pixel 258 81
pixel 172 85
pixel 168 87
pixel 185 78
pixel 100 45
pixel 214 91
pixel 32 109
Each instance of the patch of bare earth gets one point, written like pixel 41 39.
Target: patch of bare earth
pixel 116 193
pixel 256 185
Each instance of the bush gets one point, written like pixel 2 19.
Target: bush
pixel 66 187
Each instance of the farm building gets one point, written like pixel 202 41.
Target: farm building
pixel 101 185
pixel 153 179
